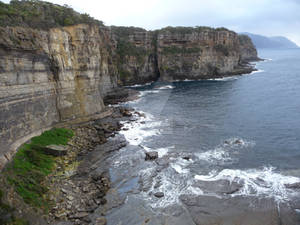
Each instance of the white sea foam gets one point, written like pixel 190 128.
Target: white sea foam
pixel 226 151
pixel 161 151
pixel 173 185
pixel 143 93
pixel 165 87
pixel 140 85
pixel 180 165
pixel 257 71
pixel 217 154
pixel 224 78
pixel 265 182
pixel 137 131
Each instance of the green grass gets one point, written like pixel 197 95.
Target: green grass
pixel 30 167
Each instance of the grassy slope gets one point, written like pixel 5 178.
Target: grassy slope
pixel 31 166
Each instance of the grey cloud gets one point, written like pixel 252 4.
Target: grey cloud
pixel 266 17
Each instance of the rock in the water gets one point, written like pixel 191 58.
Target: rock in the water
pixel 238 142
pixel 159 194
pixel 219 186
pixel 151 155
pixel 293 186
pixel 211 210
pixel 186 158
pixel 101 221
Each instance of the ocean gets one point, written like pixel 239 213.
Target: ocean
pixel 235 138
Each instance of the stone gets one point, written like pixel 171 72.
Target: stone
pixel 186 158
pixel 79 215
pixel 151 155
pixel 55 150
pixel 70 198
pixel 101 221
pixel 293 185
pixel 159 194
pixel 238 142
pixel 218 186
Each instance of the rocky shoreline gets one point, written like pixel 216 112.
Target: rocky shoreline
pixel 79 184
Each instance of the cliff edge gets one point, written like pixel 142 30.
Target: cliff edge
pixel 57 65
pixel 179 53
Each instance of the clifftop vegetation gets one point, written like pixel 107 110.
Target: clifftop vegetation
pixel 42 15
pixel 189 30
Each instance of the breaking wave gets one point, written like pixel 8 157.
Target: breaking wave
pixel 254 182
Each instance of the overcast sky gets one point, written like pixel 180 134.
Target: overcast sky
pixel 266 17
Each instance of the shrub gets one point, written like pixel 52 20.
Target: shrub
pixel 40 14
pixel 222 48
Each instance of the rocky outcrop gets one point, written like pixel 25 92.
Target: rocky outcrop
pixel 197 53
pixel 136 56
pixel 51 77
pixel 247 49
pixel 179 53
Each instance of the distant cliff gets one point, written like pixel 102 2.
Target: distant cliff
pixel 178 53
pixel 199 53
pixel 56 65
pixel 261 41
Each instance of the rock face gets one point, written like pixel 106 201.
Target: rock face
pixel 179 53
pixel 136 56
pixel 197 53
pixel 247 50
pixel 49 77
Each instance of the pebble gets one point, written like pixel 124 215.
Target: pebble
pixel 101 221
pixel 70 198
pixel 159 194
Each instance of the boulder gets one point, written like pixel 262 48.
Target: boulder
pixel 159 194
pixel 101 221
pixel 55 150
pixel 218 186
pixel 151 155
pixel 293 186
pixel 79 215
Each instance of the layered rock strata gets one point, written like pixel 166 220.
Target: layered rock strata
pixel 50 77
pixel 179 53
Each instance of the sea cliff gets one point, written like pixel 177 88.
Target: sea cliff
pixel 58 71
pixel 51 77
pixel 179 53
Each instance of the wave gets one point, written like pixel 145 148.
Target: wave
pixel 161 151
pixel 166 87
pixel 265 182
pixel 257 71
pixel 140 85
pixel 143 93
pixel 224 78
pixel 224 153
pixel 180 165
pixel 135 132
